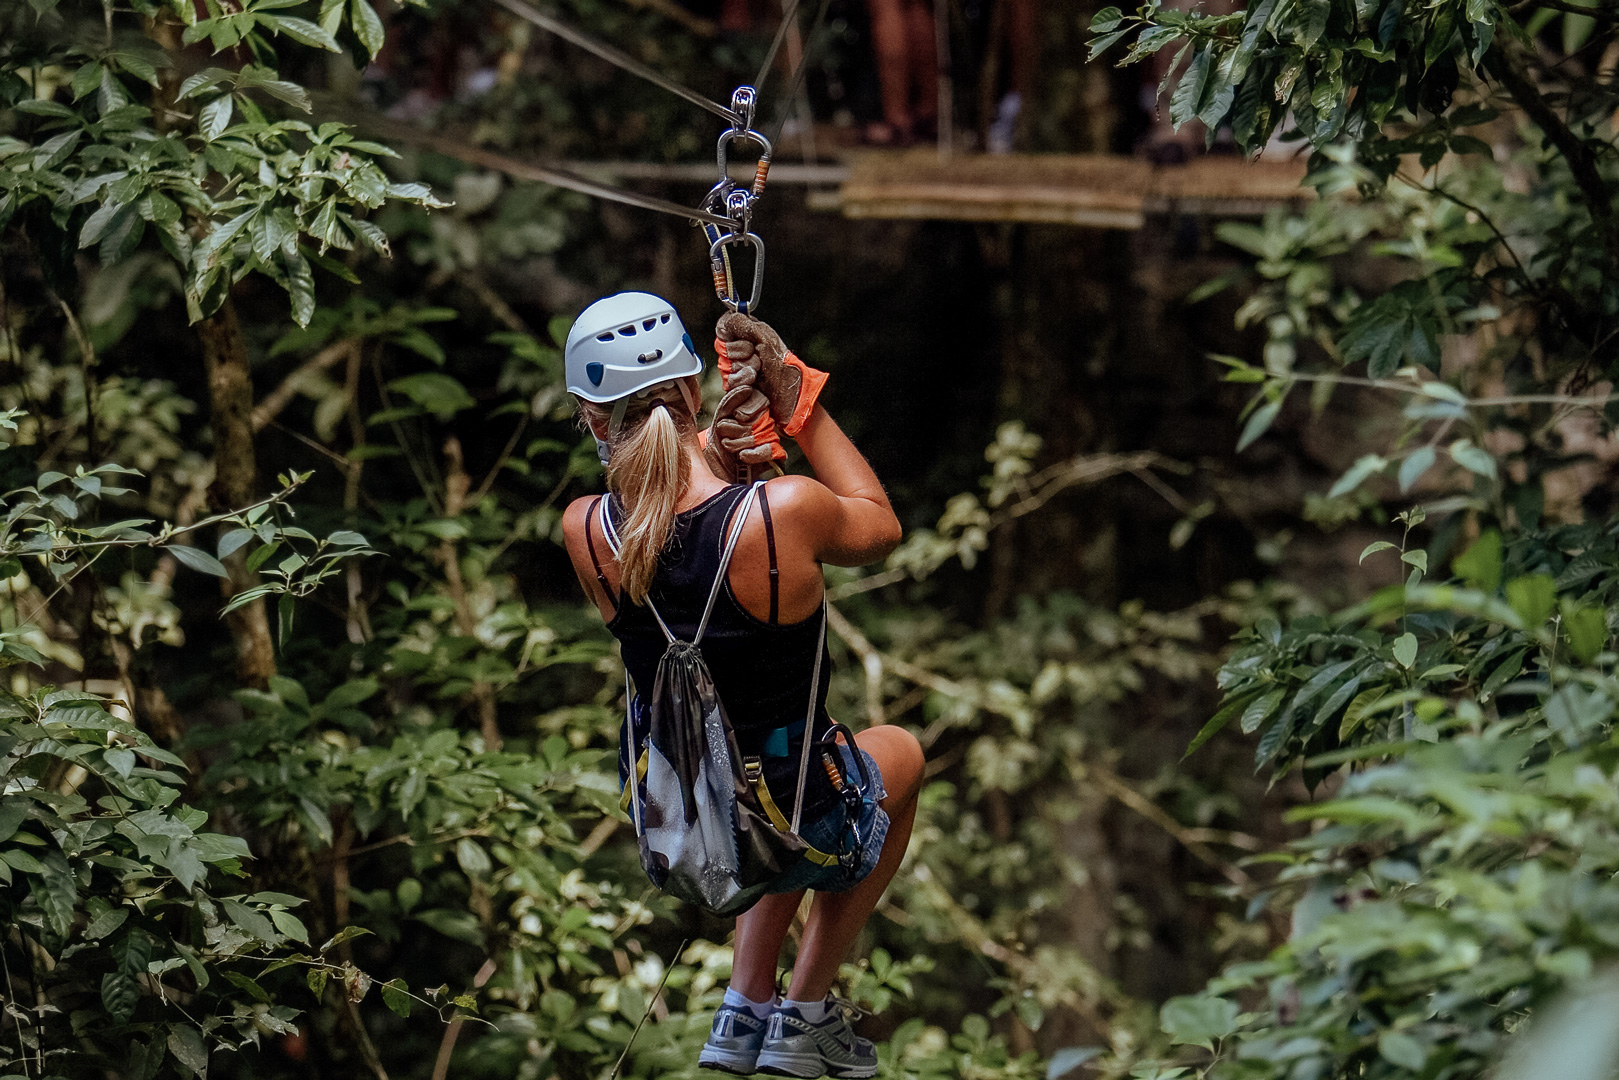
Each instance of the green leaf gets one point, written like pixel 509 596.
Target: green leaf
pixel 57 891
pixel 120 994
pixel 1405 650
pixel 185 1043
pixel 1275 737
pixel 1398 1048
pixel 105 923
pixel 1532 596
pixel 1199 1021
pixel 1473 458
pixel 1260 421
pixel 473 858
pixel 1188 96
pixel 242 982
pixel 348 933
pixel 290 925
pixel 1106 21
pixel 1260 710
pixel 232 541
pixel 367 26
pixel 1480 564
pixel 396 997
pixel 1417 558
pixel 1367 466
pixel 197 559
pixel 1587 630
pixel 1418 462
pixel 300 285
pixel 1220 719
pixel 316 980
pixel 1373 548
pixel 21 860
pixel 439 394
pixel 302 31
pixel 215 117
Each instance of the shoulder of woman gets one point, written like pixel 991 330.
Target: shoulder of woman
pixel 799 500
pixel 574 518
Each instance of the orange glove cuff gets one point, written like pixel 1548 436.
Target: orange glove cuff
pixel 764 431
pixel 809 392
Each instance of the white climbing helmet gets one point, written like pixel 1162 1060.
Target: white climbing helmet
pixel 625 343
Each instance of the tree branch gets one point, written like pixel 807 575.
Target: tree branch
pixel 1582 161
pixel 279 398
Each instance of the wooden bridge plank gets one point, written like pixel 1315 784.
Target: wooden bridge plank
pixel 1105 191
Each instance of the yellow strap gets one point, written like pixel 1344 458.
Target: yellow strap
pixel 779 820
pixel 640 774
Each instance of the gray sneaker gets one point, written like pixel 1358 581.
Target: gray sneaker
pixel 795 1047
pixel 733 1043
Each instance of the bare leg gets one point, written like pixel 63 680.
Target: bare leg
pixel 890 46
pixel 757 947
pixel 924 60
pixel 837 918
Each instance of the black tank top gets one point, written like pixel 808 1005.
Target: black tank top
pixel 762 670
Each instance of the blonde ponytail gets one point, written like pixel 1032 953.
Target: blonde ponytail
pixel 649 470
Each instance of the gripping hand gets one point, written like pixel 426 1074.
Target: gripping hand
pixel 791 385
pixel 742 442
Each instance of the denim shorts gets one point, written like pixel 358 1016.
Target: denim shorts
pixel 859 834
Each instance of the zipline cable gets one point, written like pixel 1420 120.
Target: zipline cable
pixel 787 101
pixel 524 170
pixel 614 56
pixel 787 18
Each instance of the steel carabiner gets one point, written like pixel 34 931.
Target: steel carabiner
pixel 744 101
pixel 724 286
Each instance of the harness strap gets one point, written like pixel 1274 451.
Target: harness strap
pixel 616 546
pixel 809 720
pixel 770 545
pixel 741 519
pixel 590 543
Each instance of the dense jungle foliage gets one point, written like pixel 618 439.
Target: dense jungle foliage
pixel 306 736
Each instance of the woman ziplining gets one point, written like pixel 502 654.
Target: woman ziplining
pixel 690 564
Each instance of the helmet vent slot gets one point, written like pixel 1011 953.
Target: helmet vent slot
pixel 649 324
pixel 626 331
pixel 605 337
pixel 664 319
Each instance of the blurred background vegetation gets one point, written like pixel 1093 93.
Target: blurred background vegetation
pixel 306 735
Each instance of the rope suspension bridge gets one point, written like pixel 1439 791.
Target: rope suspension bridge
pixel 1085 190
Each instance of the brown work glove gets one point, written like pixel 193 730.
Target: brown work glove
pixel 736 449
pixel 791 385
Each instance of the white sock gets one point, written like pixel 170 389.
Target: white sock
pixel 738 1000
pixel 813 1011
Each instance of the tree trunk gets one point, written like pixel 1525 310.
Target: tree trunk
pixel 230 397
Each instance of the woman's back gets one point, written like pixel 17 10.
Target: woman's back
pixel 762 668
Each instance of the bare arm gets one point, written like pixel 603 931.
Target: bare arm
pixel 847 514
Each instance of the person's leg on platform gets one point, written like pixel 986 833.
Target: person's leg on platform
pixel 923 63
pixel 891 48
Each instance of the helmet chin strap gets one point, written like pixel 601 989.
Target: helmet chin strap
pixel 616 421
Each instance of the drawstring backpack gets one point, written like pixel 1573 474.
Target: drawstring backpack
pixel 708 830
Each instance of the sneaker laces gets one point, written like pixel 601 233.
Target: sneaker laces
pixel 850 1010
